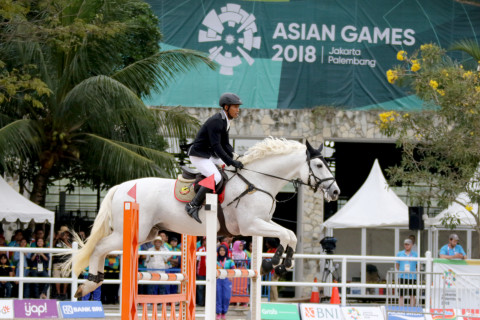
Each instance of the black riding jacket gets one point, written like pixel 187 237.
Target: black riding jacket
pixel 212 140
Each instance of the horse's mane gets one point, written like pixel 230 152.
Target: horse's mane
pixel 270 146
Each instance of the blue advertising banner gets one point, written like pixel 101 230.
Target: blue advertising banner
pixel 404 313
pixel 305 53
pixel 81 309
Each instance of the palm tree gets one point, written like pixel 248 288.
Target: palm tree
pixel 92 118
pixel 470 47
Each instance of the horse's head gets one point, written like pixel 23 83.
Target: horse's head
pixel 320 175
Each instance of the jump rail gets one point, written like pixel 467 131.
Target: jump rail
pixel 130 276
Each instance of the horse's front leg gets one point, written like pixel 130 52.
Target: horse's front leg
pixel 261 228
pixel 288 262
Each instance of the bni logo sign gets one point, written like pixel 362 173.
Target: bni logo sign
pixel 232 33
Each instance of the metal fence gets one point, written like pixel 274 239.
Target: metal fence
pixel 447 290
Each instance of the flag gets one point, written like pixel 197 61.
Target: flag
pixel 133 192
pixel 208 183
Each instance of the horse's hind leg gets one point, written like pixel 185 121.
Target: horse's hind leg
pixel 97 263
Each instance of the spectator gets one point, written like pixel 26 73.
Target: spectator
pixel 16 238
pixel 452 250
pixel 224 286
pixel 409 277
pixel 164 236
pixel 414 243
pixel 61 241
pixel 223 240
pixel 142 288
pixel 174 264
pixel 156 263
pixel 112 271
pixel 26 266
pixel 39 234
pixel 238 253
pixel 249 250
pixel 201 272
pixel 82 235
pixel 3 243
pixel 15 242
pixel 6 270
pixel 38 268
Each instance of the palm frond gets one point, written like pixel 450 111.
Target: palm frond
pixel 19 138
pixel 162 159
pixel 113 159
pixel 176 122
pixel 470 46
pixel 160 69
pixel 98 98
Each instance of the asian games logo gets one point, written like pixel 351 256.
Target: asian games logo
pixel 354 314
pixel 450 278
pixel 232 35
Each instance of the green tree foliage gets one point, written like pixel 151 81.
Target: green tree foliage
pixel 71 76
pixel 441 144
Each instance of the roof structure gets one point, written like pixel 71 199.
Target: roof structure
pixel 16 207
pixel 373 205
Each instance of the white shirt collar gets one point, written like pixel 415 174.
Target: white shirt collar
pixel 228 120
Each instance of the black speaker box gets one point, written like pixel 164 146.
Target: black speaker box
pixel 415 219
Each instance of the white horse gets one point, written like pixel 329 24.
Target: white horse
pixel 269 166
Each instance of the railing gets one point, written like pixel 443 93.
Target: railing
pixel 342 284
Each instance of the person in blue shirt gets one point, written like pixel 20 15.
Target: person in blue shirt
pixel 409 277
pixel 452 250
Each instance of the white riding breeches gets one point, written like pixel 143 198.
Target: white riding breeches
pixel 207 167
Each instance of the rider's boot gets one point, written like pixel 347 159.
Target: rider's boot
pixel 195 205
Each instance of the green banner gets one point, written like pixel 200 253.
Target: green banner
pixel 280 311
pixel 305 53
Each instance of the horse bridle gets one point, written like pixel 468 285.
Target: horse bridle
pixel 313 181
pixel 316 179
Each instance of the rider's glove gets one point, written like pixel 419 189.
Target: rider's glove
pixel 237 164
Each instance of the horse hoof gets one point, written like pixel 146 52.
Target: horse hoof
pixel 292 264
pixel 277 256
pixel 280 270
pixel 79 292
pixel 266 267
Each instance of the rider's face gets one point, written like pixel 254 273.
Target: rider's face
pixel 233 111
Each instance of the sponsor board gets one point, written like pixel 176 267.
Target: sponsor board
pixel 465 313
pixel 81 309
pixel 404 313
pixel 446 314
pixel 35 309
pixel 280 311
pixel 362 313
pixel 311 311
pixel 6 309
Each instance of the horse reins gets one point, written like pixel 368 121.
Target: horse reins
pixel 296 182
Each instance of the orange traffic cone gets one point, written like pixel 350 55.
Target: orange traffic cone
pixel 335 299
pixel 315 297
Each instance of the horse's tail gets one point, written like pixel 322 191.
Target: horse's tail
pixel 101 228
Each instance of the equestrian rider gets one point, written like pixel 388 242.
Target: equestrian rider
pixel 212 147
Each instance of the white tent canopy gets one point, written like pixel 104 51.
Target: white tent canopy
pixel 457 210
pixel 16 207
pixel 373 205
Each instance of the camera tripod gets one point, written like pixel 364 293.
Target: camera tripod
pixel 330 269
